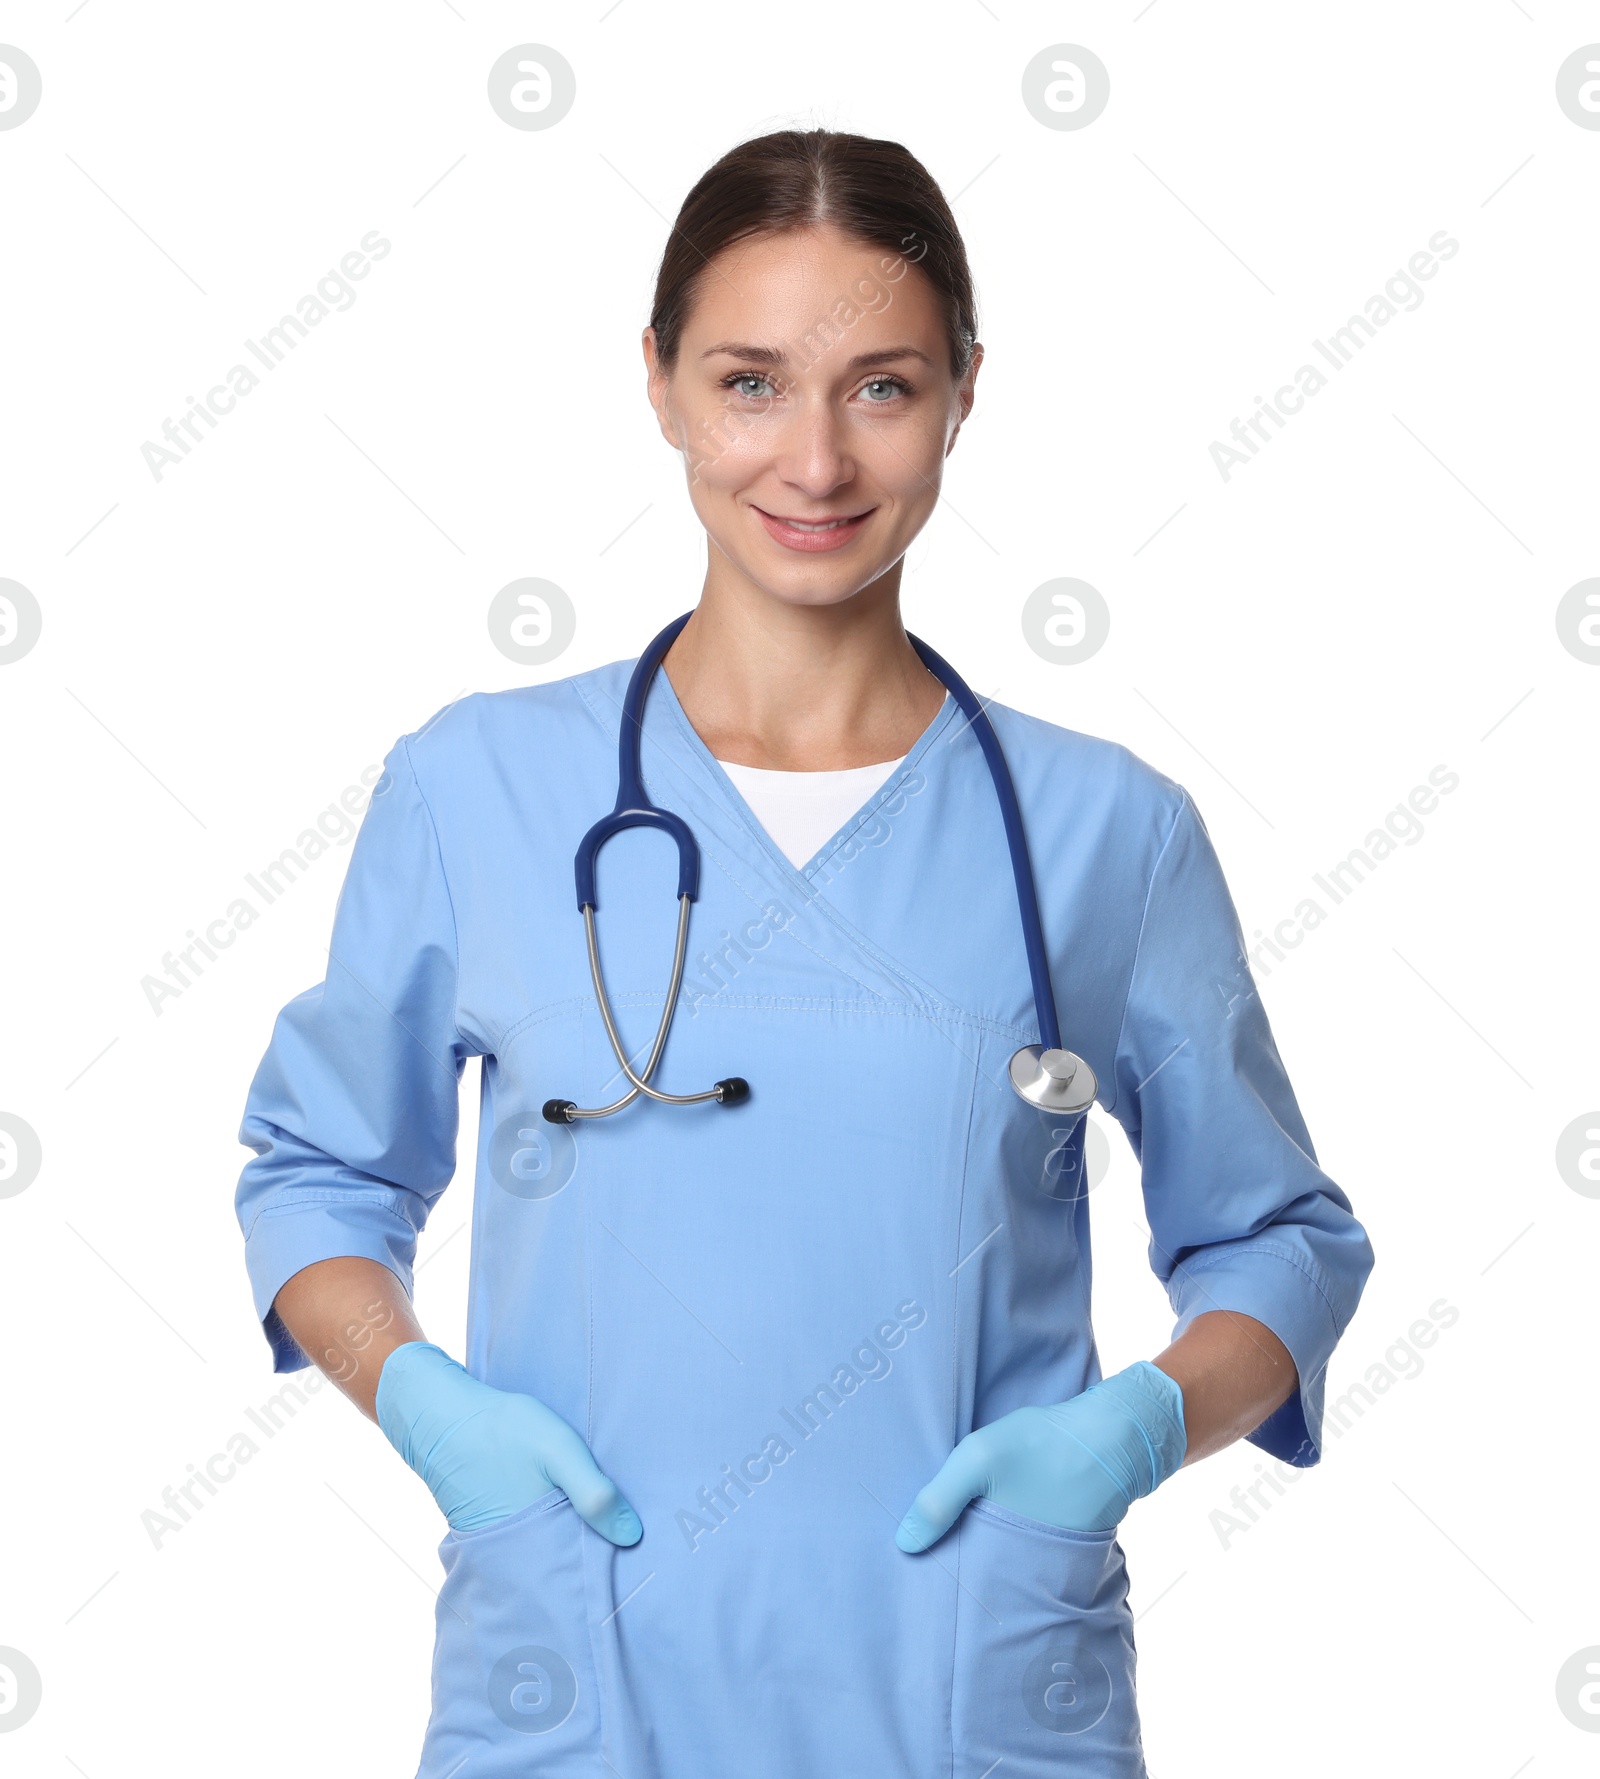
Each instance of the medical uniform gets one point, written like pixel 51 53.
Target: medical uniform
pixel 772 1321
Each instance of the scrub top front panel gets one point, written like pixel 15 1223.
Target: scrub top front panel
pixel 771 1322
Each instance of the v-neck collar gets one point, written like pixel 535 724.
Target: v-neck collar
pixel 680 772
pixel 730 794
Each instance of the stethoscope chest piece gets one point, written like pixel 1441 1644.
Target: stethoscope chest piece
pixel 1053 1080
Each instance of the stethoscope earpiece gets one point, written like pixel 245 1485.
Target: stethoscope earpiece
pixel 732 1092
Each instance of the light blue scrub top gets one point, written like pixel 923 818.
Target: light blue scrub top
pixel 772 1322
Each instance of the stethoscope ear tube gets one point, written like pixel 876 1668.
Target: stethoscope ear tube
pixel 730 1092
pixel 635 810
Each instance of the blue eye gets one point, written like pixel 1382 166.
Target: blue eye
pixel 892 387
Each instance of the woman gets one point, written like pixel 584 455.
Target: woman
pixel 781 1443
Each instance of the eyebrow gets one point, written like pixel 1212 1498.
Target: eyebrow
pixel 772 355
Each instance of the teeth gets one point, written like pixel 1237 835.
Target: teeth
pixel 831 525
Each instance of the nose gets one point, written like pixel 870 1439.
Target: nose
pixel 812 453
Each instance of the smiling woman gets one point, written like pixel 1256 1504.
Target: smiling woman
pixel 658 1297
pixel 815 443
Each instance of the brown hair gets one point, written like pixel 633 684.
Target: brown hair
pixel 876 191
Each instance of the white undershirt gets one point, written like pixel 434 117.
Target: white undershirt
pixel 800 810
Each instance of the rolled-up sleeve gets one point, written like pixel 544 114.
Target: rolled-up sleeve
pixel 353 1111
pixel 1241 1216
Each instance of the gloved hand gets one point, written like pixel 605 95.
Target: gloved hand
pixel 486 1453
pixel 1081 1464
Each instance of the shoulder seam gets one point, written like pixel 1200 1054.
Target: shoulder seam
pixel 585 701
pixel 1144 917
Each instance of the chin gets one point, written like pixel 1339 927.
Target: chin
pixel 813 596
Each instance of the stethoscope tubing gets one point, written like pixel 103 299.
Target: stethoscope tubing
pixel 1044 998
pixel 634 809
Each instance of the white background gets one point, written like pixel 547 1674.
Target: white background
pixel 225 650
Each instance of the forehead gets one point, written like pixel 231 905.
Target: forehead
pixel 776 288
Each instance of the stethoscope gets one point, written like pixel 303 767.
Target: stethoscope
pixel 1046 1076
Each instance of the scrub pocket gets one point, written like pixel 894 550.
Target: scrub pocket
pixel 513 1672
pixel 1044 1653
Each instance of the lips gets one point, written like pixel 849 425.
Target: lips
pixel 812 536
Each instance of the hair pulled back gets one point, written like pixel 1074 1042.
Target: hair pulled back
pixel 878 192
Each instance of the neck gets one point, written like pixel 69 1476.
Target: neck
pixel 802 688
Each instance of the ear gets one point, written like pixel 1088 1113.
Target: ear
pixel 657 383
pixel 966 394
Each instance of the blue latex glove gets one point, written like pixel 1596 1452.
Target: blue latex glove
pixel 1081 1464
pixel 487 1453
